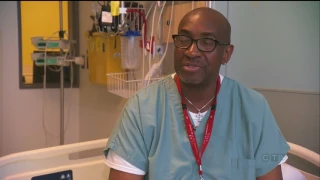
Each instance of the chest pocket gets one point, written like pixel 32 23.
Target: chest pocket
pixel 243 169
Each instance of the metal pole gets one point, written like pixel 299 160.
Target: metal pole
pixel 209 4
pixel 61 81
pixel 122 5
pixel 121 24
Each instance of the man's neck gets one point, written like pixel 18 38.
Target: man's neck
pixel 200 94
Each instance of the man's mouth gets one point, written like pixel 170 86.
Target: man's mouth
pixel 190 67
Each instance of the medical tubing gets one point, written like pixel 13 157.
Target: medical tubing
pixel 157 65
pixel 163 5
pixel 171 14
pixel 151 43
pixel 150 68
pixel 143 39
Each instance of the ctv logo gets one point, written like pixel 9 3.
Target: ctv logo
pixel 273 157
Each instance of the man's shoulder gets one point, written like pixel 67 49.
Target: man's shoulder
pixel 247 92
pixel 153 90
pixel 251 103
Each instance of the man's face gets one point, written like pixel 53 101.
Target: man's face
pixel 192 65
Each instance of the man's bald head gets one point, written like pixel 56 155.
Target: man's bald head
pixel 209 16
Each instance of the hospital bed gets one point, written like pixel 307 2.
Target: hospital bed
pixel 26 165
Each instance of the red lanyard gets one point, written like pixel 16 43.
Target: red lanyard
pixel 189 128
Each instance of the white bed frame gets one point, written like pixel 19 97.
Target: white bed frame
pixel 25 165
pixel 307 155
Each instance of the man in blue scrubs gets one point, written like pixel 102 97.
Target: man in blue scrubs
pixel 197 124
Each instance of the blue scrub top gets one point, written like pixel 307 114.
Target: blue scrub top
pixel 245 143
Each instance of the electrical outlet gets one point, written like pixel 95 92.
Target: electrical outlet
pixel 159 49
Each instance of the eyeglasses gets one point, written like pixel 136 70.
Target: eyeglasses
pixel 203 44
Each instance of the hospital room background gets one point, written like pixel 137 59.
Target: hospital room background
pixel 276 53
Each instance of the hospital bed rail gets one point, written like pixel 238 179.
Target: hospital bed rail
pixel 52 159
pixel 307 155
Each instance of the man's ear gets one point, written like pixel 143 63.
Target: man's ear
pixel 227 54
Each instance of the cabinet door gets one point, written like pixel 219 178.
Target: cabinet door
pixel 179 10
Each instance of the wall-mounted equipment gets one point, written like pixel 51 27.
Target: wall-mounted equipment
pixel 115 48
pixel 103 56
pixel 111 17
pixel 135 45
pixel 131 52
pixel 42 44
pixel 132 71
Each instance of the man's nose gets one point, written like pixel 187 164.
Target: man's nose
pixel 193 50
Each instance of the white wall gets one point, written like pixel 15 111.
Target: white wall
pixel 276 44
pixel 277 52
pixel 21 128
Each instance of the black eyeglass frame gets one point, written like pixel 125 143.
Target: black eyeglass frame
pixel 196 41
